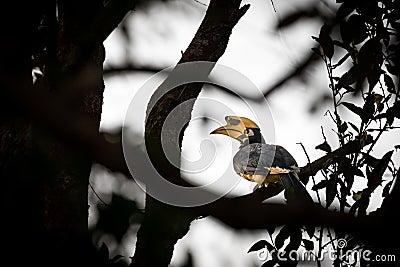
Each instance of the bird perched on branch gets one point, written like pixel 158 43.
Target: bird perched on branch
pixel 263 163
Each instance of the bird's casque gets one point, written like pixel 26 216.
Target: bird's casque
pixel 259 162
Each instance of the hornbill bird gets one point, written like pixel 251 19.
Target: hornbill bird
pixel 263 163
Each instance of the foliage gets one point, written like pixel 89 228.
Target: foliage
pixel 360 49
pixel 116 218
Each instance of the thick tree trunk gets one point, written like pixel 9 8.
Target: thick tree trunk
pixel 44 182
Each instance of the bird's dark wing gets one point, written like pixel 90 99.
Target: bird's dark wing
pixel 292 183
pixel 253 158
pixel 283 158
pixel 258 158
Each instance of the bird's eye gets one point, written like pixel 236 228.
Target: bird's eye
pixel 249 132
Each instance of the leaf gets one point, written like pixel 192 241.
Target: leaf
pixel 373 76
pixel 271 229
pixel 326 41
pixel 283 234
pixel 355 128
pixel 362 209
pixel 361 204
pixel 354 30
pixel 343 127
pixel 389 115
pixel 320 185
pixel 396 109
pixel 378 98
pixel 370 160
pixel 380 107
pixel 116 218
pixel 366 139
pixel 324 147
pixel 343 188
pixel 348 170
pixel 308 244
pixel 358 172
pixel 358 28
pixel 392 69
pixel 295 239
pixel 331 190
pixel 368 109
pixel 376 175
pixel 357 195
pixel 370 54
pixel 354 207
pixel 355 74
pixel 386 189
pixel 259 245
pixel 342 60
pixel 355 109
pixel 310 229
pixel 389 83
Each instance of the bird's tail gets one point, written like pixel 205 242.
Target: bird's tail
pixel 294 188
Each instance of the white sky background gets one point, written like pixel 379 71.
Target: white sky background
pixel 263 55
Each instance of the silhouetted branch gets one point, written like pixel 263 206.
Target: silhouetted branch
pixel 116 70
pixel 296 72
pixel 105 22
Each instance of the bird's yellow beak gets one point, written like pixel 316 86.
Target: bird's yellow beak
pixel 235 127
pixel 233 132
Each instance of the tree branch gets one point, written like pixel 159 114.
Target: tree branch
pixel 105 22
pixel 115 70
pixel 297 71
pixel 312 168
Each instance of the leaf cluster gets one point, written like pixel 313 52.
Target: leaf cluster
pixel 359 46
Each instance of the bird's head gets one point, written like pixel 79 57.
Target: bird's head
pixel 240 128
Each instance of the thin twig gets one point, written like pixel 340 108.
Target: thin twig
pixel 273 6
pixel 321 231
pixel 312 177
pixel 331 238
pixel 95 193
pixel 197 1
pixel 323 133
